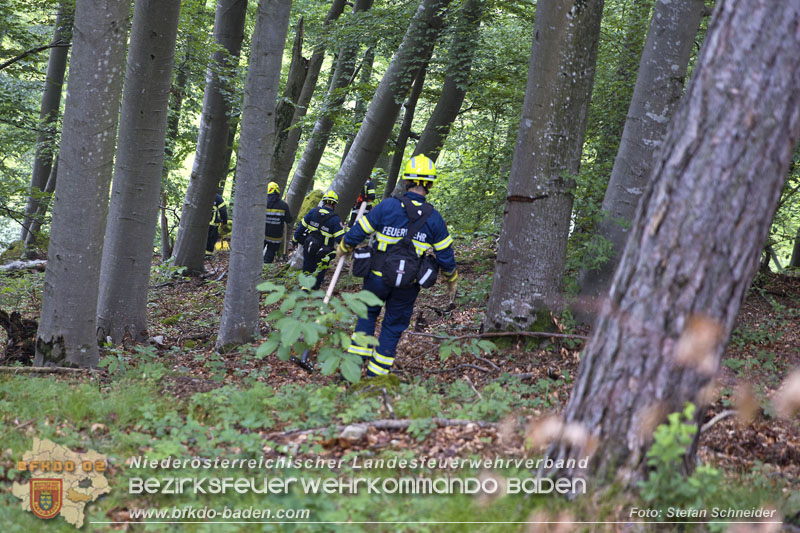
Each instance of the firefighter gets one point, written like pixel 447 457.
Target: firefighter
pixel 278 214
pixel 367 194
pixel 389 221
pixel 219 216
pixel 318 232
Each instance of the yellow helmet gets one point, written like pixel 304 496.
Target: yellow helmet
pixel 330 197
pixel 273 187
pixel 421 170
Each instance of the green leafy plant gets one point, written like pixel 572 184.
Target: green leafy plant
pixel 303 320
pixel 667 484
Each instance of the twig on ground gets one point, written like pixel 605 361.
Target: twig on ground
pixel 500 334
pixel 472 386
pixel 42 370
pixel 387 403
pixel 720 416
pixel 462 365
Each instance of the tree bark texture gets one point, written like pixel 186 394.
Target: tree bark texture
pixel 286 106
pixel 533 242
pixel 288 149
pixel 209 162
pixel 697 236
pixel 48 117
pixel 459 64
pixel 414 51
pixel 318 140
pixel 133 214
pixel 659 87
pixel 360 107
pixel 67 333
pixel 405 132
pixel 795 261
pixel 239 322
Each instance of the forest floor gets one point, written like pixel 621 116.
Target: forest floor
pixel 243 403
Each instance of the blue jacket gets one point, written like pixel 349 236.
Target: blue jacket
pixel 332 230
pixel 278 214
pixel 389 221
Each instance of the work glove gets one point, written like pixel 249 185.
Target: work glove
pixel 452 283
pixel 343 250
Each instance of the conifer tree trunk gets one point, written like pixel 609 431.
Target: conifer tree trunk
pixel 454 89
pixel 414 51
pixel 67 333
pixel 698 235
pixel 282 164
pixel 533 242
pixel 658 89
pixel 239 322
pixel 318 141
pixel 212 143
pixel 48 116
pixel 128 249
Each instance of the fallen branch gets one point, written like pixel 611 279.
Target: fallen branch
pixel 390 424
pixel 500 334
pixel 472 386
pixel 23 265
pixel 42 370
pixel 720 416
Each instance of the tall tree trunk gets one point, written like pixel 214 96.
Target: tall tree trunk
pixel 212 139
pixel 38 217
pixel 67 333
pixel 318 141
pixel 459 65
pixel 360 107
pixel 239 322
pixel 226 159
pixel 795 261
pixel 131 228
pixel 48 116
pixel 177 94
pixel 414 51
pixel 659 87
pixel 697 237
pixel 533 242
pixel 405 131
pixel 288 149
pixel 284 113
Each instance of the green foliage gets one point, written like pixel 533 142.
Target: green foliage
pixel 303 320
pixel 667 485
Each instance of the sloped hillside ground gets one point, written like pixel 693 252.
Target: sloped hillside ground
pixel 454 392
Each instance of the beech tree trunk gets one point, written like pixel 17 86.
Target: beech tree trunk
pixel 239 322
pixel 131 228
pixel 282 166
pixel 659 87
pixel 287 105
pixel 209 161
pixel 360 107
pixel 309 162
pixel 414 51
pixel 67 333
pixel 795 261
pixel 48 117
pixel 533 242
pixel 697 237
pixel 403 134
pixel 454 89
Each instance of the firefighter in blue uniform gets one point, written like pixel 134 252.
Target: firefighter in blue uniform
pixel 389 222
pixel 278 214
pixel 367 194
pixel 219 216
pixel 318 232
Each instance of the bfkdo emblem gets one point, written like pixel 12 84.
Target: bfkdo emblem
pixel 46 497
